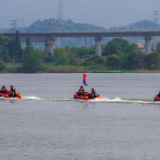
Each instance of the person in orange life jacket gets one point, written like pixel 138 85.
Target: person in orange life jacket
pixel 93 92
pixel 3 89
pixel 12 91
pixel 81 91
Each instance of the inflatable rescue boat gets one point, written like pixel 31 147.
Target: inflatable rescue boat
pixel 157 98
pixel 8 95
pixel 86 96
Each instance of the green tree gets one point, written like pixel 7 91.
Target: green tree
pixel 123 60
pixel 131 47
pixel 4 55
pixel 61 56
pixel 28 42
pixel 83 51
pixel 135 60
pixel 72 59
pixel 18 50
pixel 2 65
pixel 47 57
pixel 75 50
pixel 32 60
pixel 152 60
pixel 114 46
pixel 113 61
pixel 4 41
pixel 92 50
pixel 94 60
pixel 68 48
pixel 158 46
pixel 18 41
pixel 12 49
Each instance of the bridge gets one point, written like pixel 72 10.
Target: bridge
pixel 49 38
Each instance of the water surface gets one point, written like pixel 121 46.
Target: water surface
pixel 47 123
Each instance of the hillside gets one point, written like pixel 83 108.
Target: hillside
pixel 141 25
pixel 68 25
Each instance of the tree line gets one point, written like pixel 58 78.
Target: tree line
pixel 117 54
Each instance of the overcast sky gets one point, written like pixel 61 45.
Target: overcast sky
pixel 107 13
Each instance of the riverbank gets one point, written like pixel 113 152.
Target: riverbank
pixel 130 71
pixel 50 68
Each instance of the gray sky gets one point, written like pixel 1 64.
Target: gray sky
pixel 107 13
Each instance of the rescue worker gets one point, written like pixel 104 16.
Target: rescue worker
pixel 81 91
pixel 93 93
pixel 158 94
pixel 3 89
pixel 12 91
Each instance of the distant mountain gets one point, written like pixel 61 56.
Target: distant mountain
pixel 141 25
pixel 68 25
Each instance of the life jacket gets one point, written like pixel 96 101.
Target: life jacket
pixel 81 91
pixel 3 90
pixel 13 90
pixel 93 93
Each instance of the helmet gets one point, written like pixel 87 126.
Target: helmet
pixel 3 86
pixel 81 86
pixel 92 89
pixel 11 86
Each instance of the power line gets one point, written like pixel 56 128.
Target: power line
pixel 60 13
pixel 60 19
pixel 14 23
pixel 155 13
pixel 51 24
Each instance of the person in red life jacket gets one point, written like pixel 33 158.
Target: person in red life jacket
pixel 81 91
pixel 3 89
pixel 12 91
pixel 93 93
pixel 158 94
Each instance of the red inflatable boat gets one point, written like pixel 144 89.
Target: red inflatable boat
pixel 86 96
pixel 17 95
pixel 157 98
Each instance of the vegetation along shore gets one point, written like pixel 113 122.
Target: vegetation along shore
pixel 118 56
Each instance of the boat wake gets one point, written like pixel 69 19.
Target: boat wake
pixel 119 100
pixel 42 99
pixel 97 100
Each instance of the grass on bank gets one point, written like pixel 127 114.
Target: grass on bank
pixel 51 68
pixel 72 69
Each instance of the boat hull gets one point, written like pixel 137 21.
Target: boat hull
pixel 17 95
pixel 156 98
pixel 86 96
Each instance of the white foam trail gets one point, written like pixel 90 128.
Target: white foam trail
pixel 102 100
pixel 38 98
pixel 31 98
pixel 119 100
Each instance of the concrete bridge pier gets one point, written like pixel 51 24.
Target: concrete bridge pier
pixel 50 45
pixel 147 44
pixel 98 45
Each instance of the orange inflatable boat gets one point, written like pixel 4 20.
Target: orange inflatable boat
pixel 86 96
pixel 8 95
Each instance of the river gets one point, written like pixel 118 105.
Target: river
pixel 48 124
